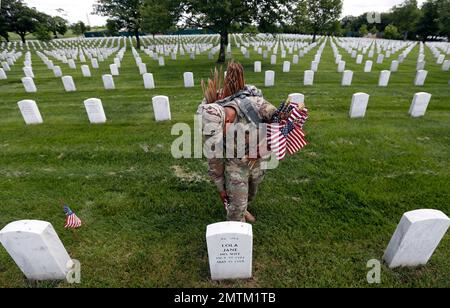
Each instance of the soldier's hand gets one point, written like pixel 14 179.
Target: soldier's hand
pixel 223 197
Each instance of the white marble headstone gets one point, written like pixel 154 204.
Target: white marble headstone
pixel 446 65
pixel 420 65
pixel 86 71
pixel 114 70
pixel 188 80
pixel 95 111
pixel 108 82
pixel 380 59
pixel 368 66
pixel 359 105
pixel 419 104
pixel 384 78
pixel 28 71
pixel 286 67
pixel 421 76
pixel 269 79
pixel 341 67
pixel 142 68
pixel 161 107
pixel 230 250
pixel 29 85
pixel 30 112
pixel 359 59
pixel 257 67
pixel 296 98
pixel 416 238
pixel 94 63
pixel 72 64
pixel 57 71
pixel 273 59
pixel 347 78
pixel 6 67
pixel 3 74
pixel 308 78
pixel 69 84
pixel 36 249
pixel 394 66
pixel 149 82
pixel 314 66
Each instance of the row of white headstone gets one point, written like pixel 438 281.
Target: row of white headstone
pixel 108 82
pixel 347 78
pixel 161 106
pixel 94 108
pixel 418 107
pixel 39 253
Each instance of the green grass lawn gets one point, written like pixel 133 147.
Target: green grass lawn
pixel 322 215
pixel 15 37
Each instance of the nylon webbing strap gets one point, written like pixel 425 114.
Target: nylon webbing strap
pixel 249 111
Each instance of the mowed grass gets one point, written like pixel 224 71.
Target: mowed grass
pixel 322 215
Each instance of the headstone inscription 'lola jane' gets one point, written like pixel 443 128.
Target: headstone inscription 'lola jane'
pixel 230 250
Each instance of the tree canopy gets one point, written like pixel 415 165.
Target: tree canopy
pixel 126 13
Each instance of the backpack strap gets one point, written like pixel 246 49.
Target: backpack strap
pixel 246 107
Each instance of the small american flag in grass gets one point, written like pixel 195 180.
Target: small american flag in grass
pixel 72 221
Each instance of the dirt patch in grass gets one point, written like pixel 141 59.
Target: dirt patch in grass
pixel 188 176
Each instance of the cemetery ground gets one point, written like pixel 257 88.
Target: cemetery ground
pixel 322 215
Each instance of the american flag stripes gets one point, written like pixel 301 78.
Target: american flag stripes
pixel 288 136
pixel 276 140
pixel 72 221
pixel 296 140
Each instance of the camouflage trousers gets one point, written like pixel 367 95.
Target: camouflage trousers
pixel 241 182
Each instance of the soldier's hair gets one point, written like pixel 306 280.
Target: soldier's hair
pixel 212 90
pixel 235 80
pixel 234 83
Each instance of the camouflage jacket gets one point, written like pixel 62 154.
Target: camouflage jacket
pixel 213 119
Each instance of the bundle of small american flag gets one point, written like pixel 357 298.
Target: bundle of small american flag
pixel 72 221
pixel 285 132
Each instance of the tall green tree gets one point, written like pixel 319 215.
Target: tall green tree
pixel 391 32
pixel 79 28
pixel 363 31
pixel 318 16
pixel 19 18
pixel 444 18
pixel 4 29
pixel 126 13
pixel 112 27
pixel 42 33
pixel 428 25
pixel 58 25
pixel 225 16
pixel 406 17
pixel 159 15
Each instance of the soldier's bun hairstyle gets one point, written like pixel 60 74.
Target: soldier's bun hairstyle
pixel 234 81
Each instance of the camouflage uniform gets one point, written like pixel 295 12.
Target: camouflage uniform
pixel 239 177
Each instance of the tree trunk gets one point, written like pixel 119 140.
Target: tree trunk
pixel 55 34
pixel 405 36
pixel 22 37
pixel 314 37
pixel 138 39
pixel 223 47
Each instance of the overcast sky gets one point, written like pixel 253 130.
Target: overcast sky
pixel 80 9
